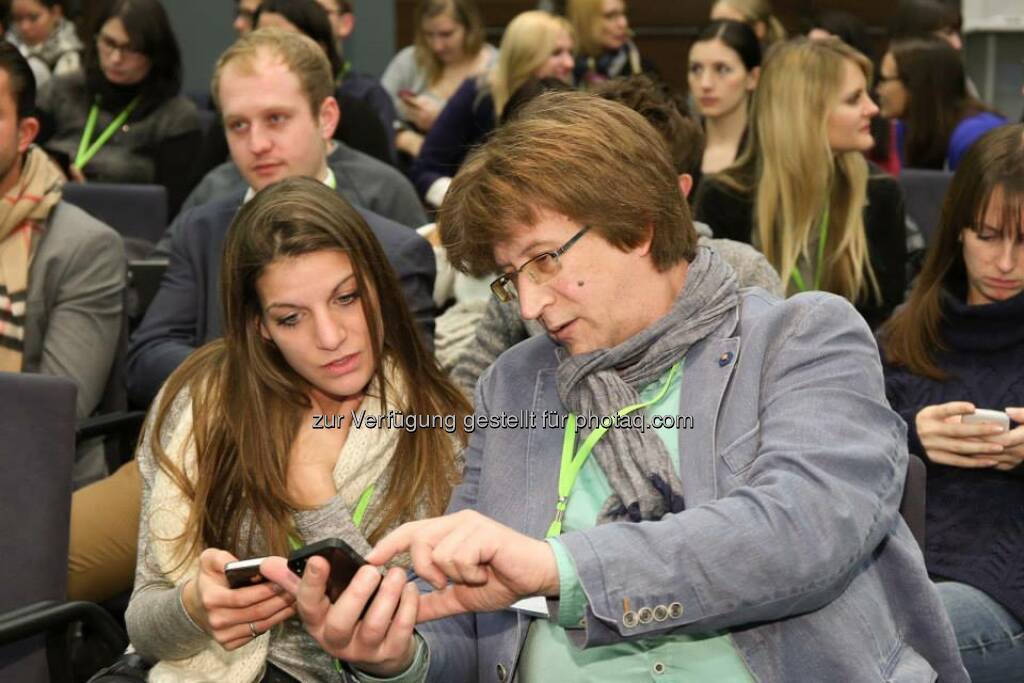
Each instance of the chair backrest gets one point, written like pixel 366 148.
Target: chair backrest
pixel 912 505
pixel 924 191
pixel 135 211
pixel 37 448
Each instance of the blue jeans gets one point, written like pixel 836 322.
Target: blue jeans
pixel 990 639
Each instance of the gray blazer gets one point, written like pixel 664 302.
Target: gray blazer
pixel 792 539
pixel 75 302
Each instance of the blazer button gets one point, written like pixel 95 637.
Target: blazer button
pixel 660 613
pixel 629 619
pixel 502 673
pixel 675 610
pixel 645 615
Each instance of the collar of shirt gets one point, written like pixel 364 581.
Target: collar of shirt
pixel 329 180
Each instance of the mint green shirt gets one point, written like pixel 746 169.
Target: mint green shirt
pixel 549 655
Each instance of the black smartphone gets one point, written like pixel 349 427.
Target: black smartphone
pixel 241 573
pixel 343 560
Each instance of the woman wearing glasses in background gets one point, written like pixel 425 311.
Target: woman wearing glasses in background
pixel 123 119
pixel 48 41
pixel 958 345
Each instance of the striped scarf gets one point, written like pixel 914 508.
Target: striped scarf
pixel 23 213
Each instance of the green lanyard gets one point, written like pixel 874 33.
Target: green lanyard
pixel 332 180
pixel 357 516
pixel 572 464
pixel 87 150
pixel 822 238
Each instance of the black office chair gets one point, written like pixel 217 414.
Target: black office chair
pixel 912 506
pixel 37 430
pixel 137 212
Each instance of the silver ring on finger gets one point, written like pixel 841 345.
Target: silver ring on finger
pixel 253 631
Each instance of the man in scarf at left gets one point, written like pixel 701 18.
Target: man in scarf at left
pixel 62 272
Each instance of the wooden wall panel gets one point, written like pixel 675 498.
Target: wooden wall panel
pixel 665 28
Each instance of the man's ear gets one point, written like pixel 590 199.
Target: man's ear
pixel 685 184
pixel 28 129
pixel 329 117
pixel 346 24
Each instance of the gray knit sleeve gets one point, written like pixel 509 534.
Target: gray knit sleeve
pixel 158 625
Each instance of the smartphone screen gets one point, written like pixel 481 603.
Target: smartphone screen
pixel 343 560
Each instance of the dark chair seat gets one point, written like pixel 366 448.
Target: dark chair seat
pixel 137 212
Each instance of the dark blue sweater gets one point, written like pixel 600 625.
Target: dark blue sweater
pixel 975 518
pixel 466 120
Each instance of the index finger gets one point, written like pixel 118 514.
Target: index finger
pixel 395 543
pixel 944 410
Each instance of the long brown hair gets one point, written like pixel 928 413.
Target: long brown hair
pixel 937 99
pixel 248 403
pixel 912 335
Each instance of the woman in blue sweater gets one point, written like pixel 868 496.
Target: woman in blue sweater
pixel 956 346
pixel 536 44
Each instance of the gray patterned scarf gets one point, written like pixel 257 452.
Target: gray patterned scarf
pixel 638 467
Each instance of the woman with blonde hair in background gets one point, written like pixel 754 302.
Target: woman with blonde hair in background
pixel 255 444
pixel 803 193
pixel 536 44
pixel 755 13
pixel 448 47
pixel 604 48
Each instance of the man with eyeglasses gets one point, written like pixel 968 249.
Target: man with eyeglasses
pixel 746 528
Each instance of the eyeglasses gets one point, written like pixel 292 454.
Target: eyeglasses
pixel 539 269
pixel 108 46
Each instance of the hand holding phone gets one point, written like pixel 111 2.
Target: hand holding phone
pixel 233 616
pixel 344 562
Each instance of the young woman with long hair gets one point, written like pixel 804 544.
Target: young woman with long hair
pixel 604 48
pixel 448 47
pixel 802 191
pixel 124 120
pixel 958 345
pixel 536 44
pixel 922 82
pixel 757 14
pixel 257 444
pixel 725 62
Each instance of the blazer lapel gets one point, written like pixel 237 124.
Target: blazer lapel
pixel 543 456
pixel 708 369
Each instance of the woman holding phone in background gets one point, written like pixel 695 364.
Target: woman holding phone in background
pixel 448 48
pixel 957 345
pixel 536 45
pixel 232 464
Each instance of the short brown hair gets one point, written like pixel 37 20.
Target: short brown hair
pixel 300 54
pixel 595 161
pixel 666 111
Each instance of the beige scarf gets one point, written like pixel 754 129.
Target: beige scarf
pixel 365 458
pixel 23 214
